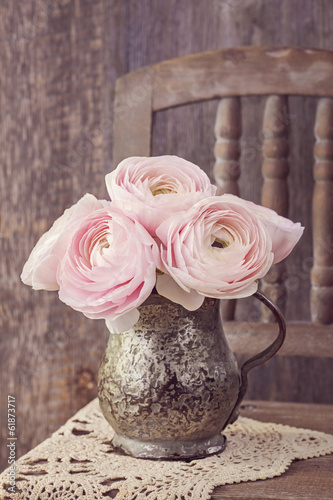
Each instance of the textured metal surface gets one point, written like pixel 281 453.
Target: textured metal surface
pixel 170 378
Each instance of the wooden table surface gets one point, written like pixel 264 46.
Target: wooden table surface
pixel 310 479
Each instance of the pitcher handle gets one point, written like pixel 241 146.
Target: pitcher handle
pixel 260 358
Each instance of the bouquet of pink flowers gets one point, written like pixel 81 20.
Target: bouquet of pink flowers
pixel 164 227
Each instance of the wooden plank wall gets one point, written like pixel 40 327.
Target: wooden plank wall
pixel 60 59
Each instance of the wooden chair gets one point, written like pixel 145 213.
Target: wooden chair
pixel 229 74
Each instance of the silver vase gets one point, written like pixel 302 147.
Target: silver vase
pixel 170 385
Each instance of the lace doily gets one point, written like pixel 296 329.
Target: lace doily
pixel 77 462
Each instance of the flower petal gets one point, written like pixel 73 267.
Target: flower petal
pixel 167 287
pixel 42 276
pixel 284 233
pixel 284 237
pixel 124 322
pixel 40 270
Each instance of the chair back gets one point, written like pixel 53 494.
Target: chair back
pixel 228 75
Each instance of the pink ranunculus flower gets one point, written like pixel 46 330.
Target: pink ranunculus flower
pixel 220 248
pixel 40 270
pixel 151 188
pixel 109 268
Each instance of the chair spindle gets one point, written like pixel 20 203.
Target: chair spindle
pixel 275 170
pixel 322 216
pixel 227 150
pixel 226 169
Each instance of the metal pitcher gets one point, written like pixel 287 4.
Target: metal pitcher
pixel 171 384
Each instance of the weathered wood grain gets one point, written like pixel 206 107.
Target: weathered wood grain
pixel 133 96
pixel 52 153
pixel 243 71
pixel 239 71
